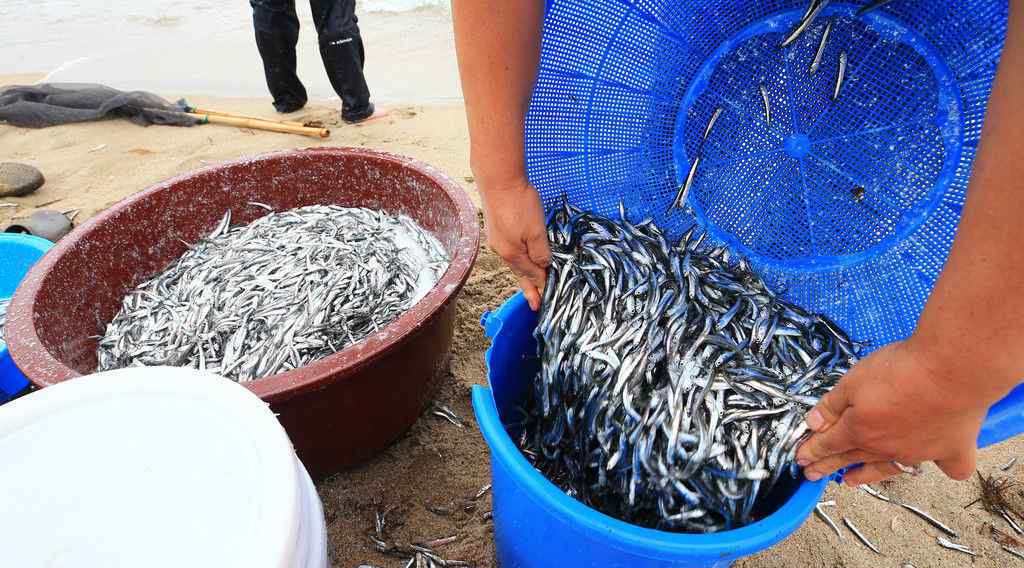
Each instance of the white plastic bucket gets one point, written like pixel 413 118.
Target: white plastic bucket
pixel 155 467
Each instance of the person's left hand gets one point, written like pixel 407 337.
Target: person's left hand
pixel 893 407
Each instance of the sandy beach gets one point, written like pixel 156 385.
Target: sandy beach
pixel 91 166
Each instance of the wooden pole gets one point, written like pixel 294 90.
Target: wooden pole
pixel 261 124
pixel 219 113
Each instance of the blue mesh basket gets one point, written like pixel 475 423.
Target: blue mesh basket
pixel 847 207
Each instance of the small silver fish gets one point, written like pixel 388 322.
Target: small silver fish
pixel 4 303
pixel 872 492
pixel 908 469
pixel 1006 466
pixel 828 520
pixel 944 543
pixel 1014 551
pixel 813 10
pixel 821 49
pixel 483 491
pixel 441 541
pixel 711 123
pixel 684 190
pixel 872 6
pixel 443 411
pixel 841 76
pixel 767 105
pixel 860 536
pixel 222 227
pixel 1013 524
pixel 930 519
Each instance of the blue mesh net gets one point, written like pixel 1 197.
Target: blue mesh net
pixel 847 207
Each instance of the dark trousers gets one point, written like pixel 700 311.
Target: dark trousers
pixel 341 48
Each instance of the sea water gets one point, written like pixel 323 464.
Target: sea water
pixel 206 47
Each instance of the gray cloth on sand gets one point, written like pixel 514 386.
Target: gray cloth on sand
pixel 50 104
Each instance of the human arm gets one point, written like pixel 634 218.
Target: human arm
pixel 498 44
pixel 925 399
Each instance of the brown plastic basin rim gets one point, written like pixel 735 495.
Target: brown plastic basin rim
pixel 283 386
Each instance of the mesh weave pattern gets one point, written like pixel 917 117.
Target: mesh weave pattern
pixel 847 207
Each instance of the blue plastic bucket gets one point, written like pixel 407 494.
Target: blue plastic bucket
pixel 536 525
pixel 17 255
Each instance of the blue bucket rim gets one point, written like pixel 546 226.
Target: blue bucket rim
pixel 27 243
pixel 733 543
pixel 30 242
pixel 38 244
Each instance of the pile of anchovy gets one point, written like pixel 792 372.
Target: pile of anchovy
pixel 673 383
pixel 290 288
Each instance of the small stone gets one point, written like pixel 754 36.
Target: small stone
pixel 50 225
pixel 19 179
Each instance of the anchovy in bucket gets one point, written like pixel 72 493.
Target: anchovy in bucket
pixel 672 383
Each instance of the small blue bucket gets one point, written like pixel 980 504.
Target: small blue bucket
pixel 17 255
pixel 536 525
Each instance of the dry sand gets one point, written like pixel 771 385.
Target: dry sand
pixel 91 166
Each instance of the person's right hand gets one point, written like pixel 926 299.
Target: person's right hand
pixel 900 404
pixel 514 219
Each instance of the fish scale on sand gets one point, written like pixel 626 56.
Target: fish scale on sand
pixel 673 383
pixel 279 293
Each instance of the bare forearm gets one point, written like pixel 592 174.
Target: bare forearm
pixel 973 325
pixel 498 44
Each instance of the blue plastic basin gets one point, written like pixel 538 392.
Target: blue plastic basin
pixel 537 525
pixel 17 255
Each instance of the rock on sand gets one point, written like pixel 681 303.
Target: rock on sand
pixel 19 179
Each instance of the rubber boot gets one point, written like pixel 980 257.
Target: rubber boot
pixel 277 32
pixel 341 49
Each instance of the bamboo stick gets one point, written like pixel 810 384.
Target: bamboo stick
pixel 219 113
pixel 260 124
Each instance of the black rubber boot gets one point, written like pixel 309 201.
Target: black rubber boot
pixel 277 32
pixel 341 48
pixel 359 115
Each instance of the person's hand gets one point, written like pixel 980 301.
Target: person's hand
pixel 516 231
pixel 894 406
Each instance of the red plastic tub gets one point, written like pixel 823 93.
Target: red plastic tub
pixel 338 411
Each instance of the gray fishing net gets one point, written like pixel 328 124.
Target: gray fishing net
pixel 50 104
